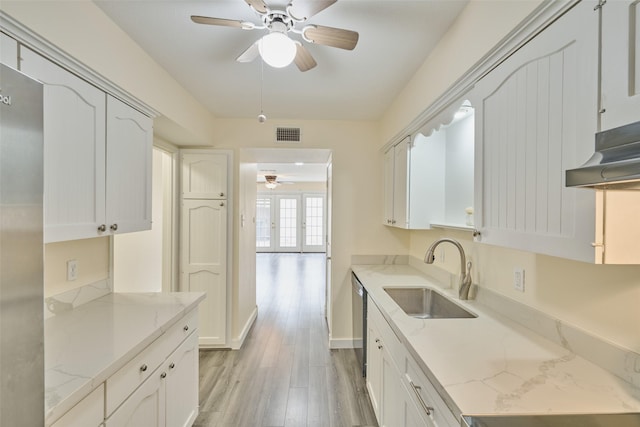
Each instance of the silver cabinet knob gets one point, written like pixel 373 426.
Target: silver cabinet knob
pixel 221 203
pixel 377 339
pixel 163 375
pixel 143 368
pixel 379 347
pixel 172 365
pixel 102 228
pixel 114 227
pixel 186 328
pixel 221 194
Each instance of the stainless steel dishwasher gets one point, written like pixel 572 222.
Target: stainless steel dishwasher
pixel 359 316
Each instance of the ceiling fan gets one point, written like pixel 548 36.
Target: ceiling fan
pixel 276 48
pixel 271 181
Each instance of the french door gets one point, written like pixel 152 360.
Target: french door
pixel 290 223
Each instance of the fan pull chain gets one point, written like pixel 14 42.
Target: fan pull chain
pixel 261 117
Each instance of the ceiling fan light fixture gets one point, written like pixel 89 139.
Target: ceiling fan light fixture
pixel 277 50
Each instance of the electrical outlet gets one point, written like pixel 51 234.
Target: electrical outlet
pixel 72 270
pixel 518 279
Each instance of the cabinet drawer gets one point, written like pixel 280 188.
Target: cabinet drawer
pixel 422 391
pixel 178 332
pixel 88 412
pixel 390 340
pixel 129 377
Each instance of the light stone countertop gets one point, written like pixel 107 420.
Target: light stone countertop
pixel 492 365
pixel 86 345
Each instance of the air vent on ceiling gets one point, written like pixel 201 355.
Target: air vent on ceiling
pixel 288 134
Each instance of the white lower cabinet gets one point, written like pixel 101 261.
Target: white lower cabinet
pixel 400 393
pixel 145 407
pixel 182 373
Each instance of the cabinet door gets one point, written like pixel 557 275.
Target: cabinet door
pixel 204 262
pixel 145 407
pixel 204 176
pixel 374 366
pixel 129 160
pixel 401 184
pixel 8 51
pixel 74 151
pixel 388 187
pixel 620 63
pixel 537 118
pixel 182 384
pixel 391 398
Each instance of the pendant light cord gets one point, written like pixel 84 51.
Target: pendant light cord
pixel 261 117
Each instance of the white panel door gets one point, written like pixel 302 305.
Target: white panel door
pixel 129 163
pixel 204 176
pixel 537 118
pixel 204 262
pixel 74 151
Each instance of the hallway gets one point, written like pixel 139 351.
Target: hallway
pixel 285 374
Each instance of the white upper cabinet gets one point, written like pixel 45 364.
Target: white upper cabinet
pixel 74 150
pixel 97 157
pixel 537 117
pixel 8 51
pixel 204 176
pixel 129 161
pixel 620 63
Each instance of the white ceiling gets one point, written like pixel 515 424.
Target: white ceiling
pixel 396 36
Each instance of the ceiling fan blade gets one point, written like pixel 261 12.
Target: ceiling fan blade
pixel 305 9
pixel 304 61
pixel 258 5
pixel 222 22
pixel 250 54
pixel 329 36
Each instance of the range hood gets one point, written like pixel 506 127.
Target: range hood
pixel 616 160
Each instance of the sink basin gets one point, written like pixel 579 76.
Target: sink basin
pixel 425 303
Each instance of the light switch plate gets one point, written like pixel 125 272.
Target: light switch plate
pixel 72 270
pixel 518 279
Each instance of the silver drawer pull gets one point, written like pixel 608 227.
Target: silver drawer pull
pixel 172 365
pixel 416 390
pixel 186 328
pixel 221 194
pixel 114 227
pixel 143 368
pixel 163 375
pixel 102 228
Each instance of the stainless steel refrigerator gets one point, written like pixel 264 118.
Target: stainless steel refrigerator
pixel 21 251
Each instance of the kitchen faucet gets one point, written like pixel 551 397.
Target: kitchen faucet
pixel 465 274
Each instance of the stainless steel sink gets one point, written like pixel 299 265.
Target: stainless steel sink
pixel 425 303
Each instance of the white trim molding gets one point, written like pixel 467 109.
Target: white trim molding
pixel 236 343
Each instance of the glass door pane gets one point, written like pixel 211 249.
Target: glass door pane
pixel 314 223
pixel 265 224
pixel 288 223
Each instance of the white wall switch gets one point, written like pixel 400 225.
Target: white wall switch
pixel 72 270
pixel 518 279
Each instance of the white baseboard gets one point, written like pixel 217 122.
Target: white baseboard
pixel 339 343
pixel 236 343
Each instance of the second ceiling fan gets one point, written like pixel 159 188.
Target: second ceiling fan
pixel 276 48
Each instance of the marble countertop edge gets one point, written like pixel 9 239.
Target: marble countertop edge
pixel 188 301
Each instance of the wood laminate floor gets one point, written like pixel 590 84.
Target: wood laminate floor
pixel 285 374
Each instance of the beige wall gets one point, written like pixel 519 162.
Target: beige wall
pixel 83 31
pixel 92 256
pixel 357 195
pixel 480 26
